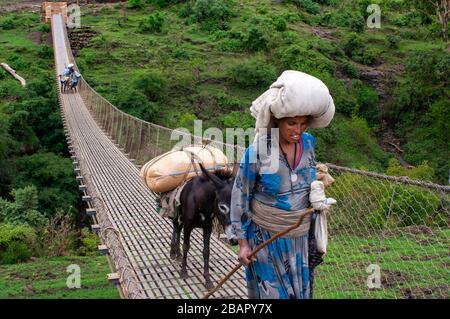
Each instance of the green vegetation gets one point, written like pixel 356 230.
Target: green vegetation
pixel 174 61
pixel 46 278
pixel 39 198
pixel 214 58
pixel 407 261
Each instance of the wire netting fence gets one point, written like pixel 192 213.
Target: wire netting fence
pixel 388 236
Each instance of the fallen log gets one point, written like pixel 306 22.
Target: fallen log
pixel 398 148
pixel 14 74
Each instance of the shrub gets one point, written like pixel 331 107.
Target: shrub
pixel 134 4
pixel 307 5
pixel 153 84
pixel 89 243
pixel 12 90
pixel 7 24
pixel 290 37
pixel 237 119
pixel 227 102
pixel 356 23
pixel 256 39
pixel 24 208
pixel 45 27
pixel 212 14
pixel 45 52
pixel 135 102
pixel 253 73
pixel 350 69
pixel 279 23
pixel 180 53
pixel 300 58
pixel 368 102
pixel 231 45
pixel 353 44
pixel 356 49
pixel 159 3
pixel 410 205
pixel 393 40
pixel 57 237
pixel 155 22
pixel 421 172
pixel 17 62
pixel 368 57
pixel 53 176
pixel 15 243
pixel 328 48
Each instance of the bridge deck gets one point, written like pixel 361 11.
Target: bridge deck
pixel 130 207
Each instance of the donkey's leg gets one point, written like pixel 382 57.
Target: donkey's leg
pixel 206 237
pixel 175 243
pixel 186 245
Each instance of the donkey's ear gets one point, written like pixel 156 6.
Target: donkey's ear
pixel 213 178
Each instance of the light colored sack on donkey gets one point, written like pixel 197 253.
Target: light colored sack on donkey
pixel 169 170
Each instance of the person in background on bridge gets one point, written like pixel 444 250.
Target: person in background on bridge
pixel 68 70
pixel 65 76
pixel 261 195
pixel 75 79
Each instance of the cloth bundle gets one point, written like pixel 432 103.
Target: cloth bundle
pixel 294 94
pixel 276 220
pixel 169 202
pixel 323 175
pixel 321 203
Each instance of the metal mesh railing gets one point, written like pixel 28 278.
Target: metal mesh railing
pixel 395 225
pixel 389 237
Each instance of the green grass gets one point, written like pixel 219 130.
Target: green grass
pixel 417 263
pixel 48 276
pixel 408 262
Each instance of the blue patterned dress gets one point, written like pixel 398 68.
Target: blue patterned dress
pixel 281 269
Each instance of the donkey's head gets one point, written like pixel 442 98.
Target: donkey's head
pixel 223 183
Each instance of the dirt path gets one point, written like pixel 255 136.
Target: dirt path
pixel 17 5
pixel 35 5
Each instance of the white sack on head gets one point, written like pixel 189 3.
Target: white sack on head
pixel 294 94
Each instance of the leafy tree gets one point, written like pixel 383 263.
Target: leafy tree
pixel 24 208
pixel 15 243
pixel 53 176
pixel 441 8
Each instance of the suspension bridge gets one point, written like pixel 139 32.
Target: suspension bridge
pixel 108 146
pixel 134 235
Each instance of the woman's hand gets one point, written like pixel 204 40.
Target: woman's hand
pixel 244 253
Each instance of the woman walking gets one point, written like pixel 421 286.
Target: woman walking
pixel 272 187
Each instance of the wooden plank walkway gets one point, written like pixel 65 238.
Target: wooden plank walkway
pixel 130 206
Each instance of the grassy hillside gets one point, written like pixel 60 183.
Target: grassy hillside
pixel 171 62
pixel 41 215
pixel 47 279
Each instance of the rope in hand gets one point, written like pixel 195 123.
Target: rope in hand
pixel 264 244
